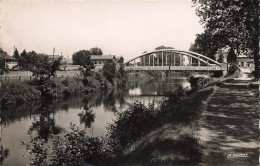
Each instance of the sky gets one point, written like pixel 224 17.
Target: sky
pixel 118 27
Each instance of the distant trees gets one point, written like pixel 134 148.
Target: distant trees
pixel 28 61
pixel 120 60
pixel 44 68
pixel 2 51
pixel 22 59
pixel 82 58
pixel 96 51
pixel 16 54
pixel 3 66
pixel 109 70
pixel 163 47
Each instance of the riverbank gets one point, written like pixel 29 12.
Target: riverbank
pixel 57 88
pixel 176 141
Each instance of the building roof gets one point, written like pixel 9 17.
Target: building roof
pixel 7 57
pixel 53 56
pixel 101 57
pixel 244 58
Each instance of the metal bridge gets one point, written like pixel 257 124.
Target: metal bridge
pixel 174 60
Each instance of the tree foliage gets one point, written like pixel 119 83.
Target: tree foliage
pixel 163 47
pixel 230 24
pixel 28 61
pixel 231 58
pixel 221 58
pixel 2 51
pixel 109 70
pixel 205 44
pixel 96 51
pixel 81 57
pixel 121 59
pixel 16 54
pixel 45 68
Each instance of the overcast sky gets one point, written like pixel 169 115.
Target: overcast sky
pixel 118 27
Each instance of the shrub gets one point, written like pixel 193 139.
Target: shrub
pixel 18 93
pixel 132 124
pixel 51 89
pixel 70 148
pixel 176 96
pixel 198 82
pixel 72 87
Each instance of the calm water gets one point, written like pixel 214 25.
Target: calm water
pixel 92 113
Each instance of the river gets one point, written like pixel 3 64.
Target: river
pixel 93 113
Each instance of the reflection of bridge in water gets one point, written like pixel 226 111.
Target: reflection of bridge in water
pixel 173 60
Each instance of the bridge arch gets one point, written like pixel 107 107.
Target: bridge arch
pixel 173 59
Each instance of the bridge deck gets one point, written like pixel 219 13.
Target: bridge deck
pixel 175 68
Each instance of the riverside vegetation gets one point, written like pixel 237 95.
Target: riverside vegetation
pixel 129 137
pixel 47 86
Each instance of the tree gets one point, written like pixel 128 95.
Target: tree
pixel 109 70
pixel 3 67
pixel 232 24
pixel 45 68
pixel 82 58
pixel 22 59
pixel 163 47
pixel 206 44
pixel 120 60
pixel 2 51
pixel 16 54
pixel 96 51
pixel 221 58
pixel 231 58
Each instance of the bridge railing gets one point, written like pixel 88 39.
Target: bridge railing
pixel 177 68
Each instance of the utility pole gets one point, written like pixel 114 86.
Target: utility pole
pixel 53 54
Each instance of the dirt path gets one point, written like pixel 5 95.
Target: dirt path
pixel 230 126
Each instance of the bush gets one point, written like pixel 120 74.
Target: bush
pixel 51 89
pixel 70 148
pixel 132 124
pixel 18 93
pixel 198 82
pixel 176 96
pixel 72 87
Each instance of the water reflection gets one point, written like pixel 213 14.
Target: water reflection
pixel 87 117
pixel 44 125
pixel 4 152
pixel 45 119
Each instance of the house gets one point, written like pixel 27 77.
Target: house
pixel 101 59
pixel 8 60
pixel 245 61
